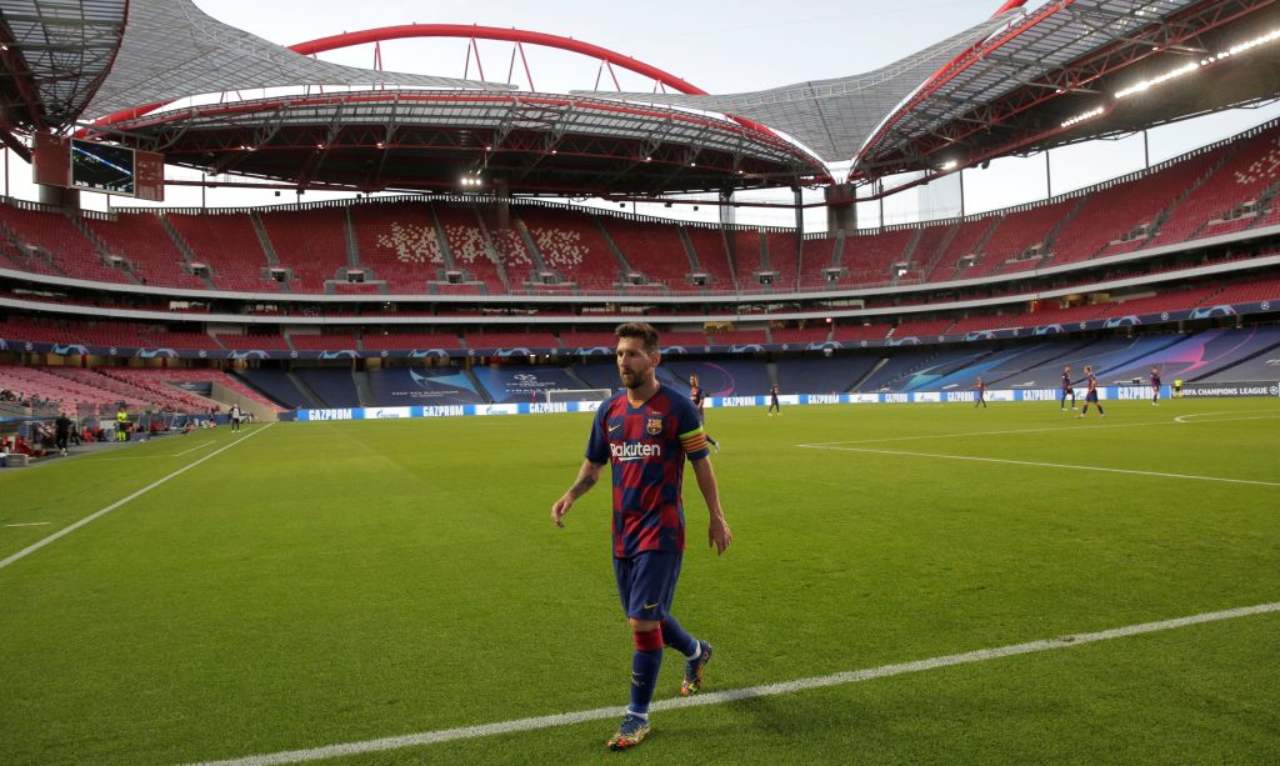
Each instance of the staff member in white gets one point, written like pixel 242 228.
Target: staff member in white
pixel 235 417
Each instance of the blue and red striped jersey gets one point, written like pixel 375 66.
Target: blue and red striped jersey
pixel 647 446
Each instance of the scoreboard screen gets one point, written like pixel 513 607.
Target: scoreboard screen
pixel 102 168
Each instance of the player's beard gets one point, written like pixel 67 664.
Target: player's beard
pixel 632 379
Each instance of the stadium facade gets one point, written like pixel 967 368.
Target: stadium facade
pixel 459 272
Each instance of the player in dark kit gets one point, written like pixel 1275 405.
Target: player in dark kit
pixel 1155 386
pixel 646 432
pixel 698 396
pixel 980 394
pixel 1067 390
pixel 1091 395
pixel 774 404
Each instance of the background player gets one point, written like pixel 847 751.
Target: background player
pixel 981 394
pixel 1091 395
pixel 774 404
pixel 1155 386
pixel 646 432
pixel 698 397
pixel 1067 390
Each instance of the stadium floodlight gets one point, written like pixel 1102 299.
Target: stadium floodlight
pixel 949 165
pixel 1193 66
pixel 1145 85
pixel 1083 116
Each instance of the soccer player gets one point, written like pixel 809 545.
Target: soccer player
pixel 646 432
pixel 774 404
pixel 698 397
pixel 1067 390
pixel 1091 395
pixel 1155 386
pixel 235 417
pixel 981 398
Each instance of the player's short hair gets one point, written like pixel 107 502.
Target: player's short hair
pixel 642 330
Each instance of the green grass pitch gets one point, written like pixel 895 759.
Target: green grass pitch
pixel 327 583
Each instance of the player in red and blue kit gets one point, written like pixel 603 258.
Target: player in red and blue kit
pixel 1155 386
pixel 646 432
pixel 1067 390
pixel 1091 394
pixel 980 394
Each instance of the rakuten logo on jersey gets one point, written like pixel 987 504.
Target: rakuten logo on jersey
pixel 629 451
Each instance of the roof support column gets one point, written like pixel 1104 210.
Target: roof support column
pixel 1048 177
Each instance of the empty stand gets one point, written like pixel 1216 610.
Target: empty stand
pixel 572 246
pixel 62 248
pixel 1252 168
pixel 399 242
pixel 229 245
pixel 312 244
pixel 654 250
pixel 142 239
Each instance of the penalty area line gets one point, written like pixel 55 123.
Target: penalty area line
pixel 734 695
pixel 30 549
pixel 1038 464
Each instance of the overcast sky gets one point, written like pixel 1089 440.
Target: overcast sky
pixel 718 46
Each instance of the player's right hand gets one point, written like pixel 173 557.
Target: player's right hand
pixel 559 509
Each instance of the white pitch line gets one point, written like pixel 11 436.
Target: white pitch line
pixel 193 449
pixel 1038 464
pixel 734 695
pixel 30 549
pixel 31 524
pixel 1077 427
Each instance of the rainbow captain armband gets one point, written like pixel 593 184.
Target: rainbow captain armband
pixel 694 442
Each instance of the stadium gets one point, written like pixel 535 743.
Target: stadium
pixel 297 351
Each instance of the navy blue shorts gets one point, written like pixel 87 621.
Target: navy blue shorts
pixel 1092 396
pixel 647 583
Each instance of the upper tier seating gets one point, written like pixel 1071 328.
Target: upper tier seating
pixel 1251 168
pixel 1111 221
pixel 143 240
pixel 311 243
pixel 408 243
pixel 573 246
pixel 399 243
pixel 469 246
pixel 229 245
pixel 654 250
pixel 708 245
pixel 63 249
pixel 869 257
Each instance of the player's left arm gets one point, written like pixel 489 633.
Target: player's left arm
pixel 693 440
pixel 719 535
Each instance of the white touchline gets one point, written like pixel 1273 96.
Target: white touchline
pixel 31 524
pixel 733 695
pixel 1037 464
pixel 1184 419
pixel 193 449
pixel 30 549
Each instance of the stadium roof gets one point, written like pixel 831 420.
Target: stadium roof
pixel 172 50
pixel 1047 80
pixel 529 143
pixel 833 117
pixel 53 55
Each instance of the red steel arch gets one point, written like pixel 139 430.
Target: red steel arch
pixel 512 35
pixel 403 31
